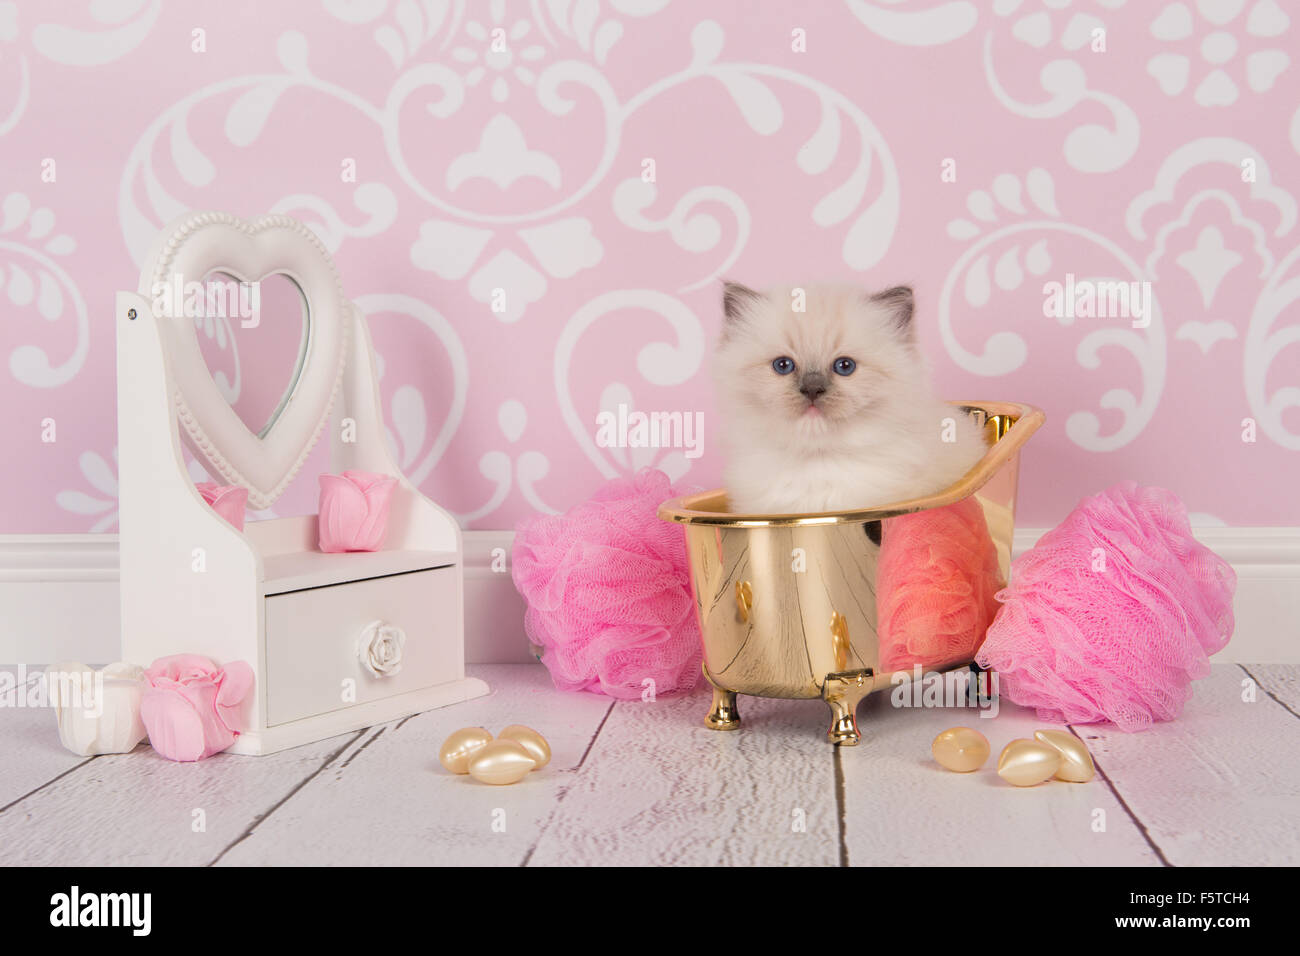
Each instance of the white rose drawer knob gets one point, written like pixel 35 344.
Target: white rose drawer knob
pixel 380 648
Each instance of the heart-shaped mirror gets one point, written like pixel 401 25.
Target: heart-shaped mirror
pixel 253 337
pixel 269 288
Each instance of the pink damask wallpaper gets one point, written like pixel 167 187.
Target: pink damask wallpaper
pixel 534 203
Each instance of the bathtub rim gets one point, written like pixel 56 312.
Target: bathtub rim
pixel 1027 419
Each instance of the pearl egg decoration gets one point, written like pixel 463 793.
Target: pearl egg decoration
pixel 501 762
pixel 460 747
pixel 1027 763
pixel 531 741
pixel 1076 762
pixel 960 749
pixel 505 759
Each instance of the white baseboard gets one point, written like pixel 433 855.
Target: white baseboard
pixel 494 611
pixel 58 596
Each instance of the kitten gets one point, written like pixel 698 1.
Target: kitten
pixel 828 409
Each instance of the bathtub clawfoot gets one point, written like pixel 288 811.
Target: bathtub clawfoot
pixel 723 715
pixel 843 692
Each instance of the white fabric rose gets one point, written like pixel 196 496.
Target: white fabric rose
pixel 380 648
pixel 98 711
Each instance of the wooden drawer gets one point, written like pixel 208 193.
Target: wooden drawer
pixel 312 642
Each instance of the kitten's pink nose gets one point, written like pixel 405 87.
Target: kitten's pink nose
pixel 813 386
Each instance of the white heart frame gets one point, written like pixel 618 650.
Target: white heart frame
pixel 198 244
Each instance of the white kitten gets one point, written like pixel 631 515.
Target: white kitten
pixel 828 409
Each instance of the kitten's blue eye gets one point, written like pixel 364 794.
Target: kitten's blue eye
pixel 844 366
pixel 783 365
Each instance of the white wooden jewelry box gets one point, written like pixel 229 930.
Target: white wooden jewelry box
pixel 192 583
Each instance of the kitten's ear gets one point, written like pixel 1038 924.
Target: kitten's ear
pixel 735 299
pixel 900 303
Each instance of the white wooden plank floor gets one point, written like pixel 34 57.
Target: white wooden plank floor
pixel 635 783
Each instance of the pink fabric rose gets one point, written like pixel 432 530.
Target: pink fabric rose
pixel 189 705
pixel 354 510
pixel 228 501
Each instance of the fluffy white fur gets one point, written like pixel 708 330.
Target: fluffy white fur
pixel 872 438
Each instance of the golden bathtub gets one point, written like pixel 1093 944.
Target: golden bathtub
pixel 841 604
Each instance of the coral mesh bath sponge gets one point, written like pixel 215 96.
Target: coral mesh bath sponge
pixel 609 592
pixel 938 578
pixel 1112 614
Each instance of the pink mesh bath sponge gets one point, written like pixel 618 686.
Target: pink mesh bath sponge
pixel 1112 614
pixel 609 593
